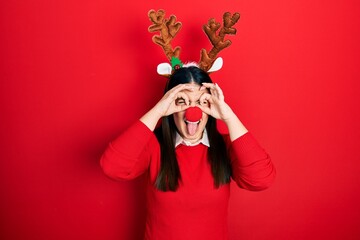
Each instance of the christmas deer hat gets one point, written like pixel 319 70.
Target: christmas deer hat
pixel 168 28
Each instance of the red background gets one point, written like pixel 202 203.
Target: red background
pixel 74 74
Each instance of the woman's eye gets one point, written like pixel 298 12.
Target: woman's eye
pixel 203 102
pixel 180 101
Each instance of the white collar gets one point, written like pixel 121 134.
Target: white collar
pixel 204 140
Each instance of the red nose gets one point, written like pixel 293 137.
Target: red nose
pixel 193 114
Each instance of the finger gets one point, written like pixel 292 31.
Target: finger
pixel 172 92
pixel 184 107
pixel 205 109
pixel 219 92
pixel 212 88
pixel 183 96
pixel 202 88
pixel 214 92
pixel 205 97
pixel 181 87
pixel 209 85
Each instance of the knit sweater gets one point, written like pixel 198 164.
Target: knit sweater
pixel 197 210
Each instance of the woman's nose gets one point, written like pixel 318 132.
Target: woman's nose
pixel 192 103
pixel 193 114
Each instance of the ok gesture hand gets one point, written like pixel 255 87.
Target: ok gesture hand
pixel 217 107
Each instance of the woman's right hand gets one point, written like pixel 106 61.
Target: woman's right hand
pixel 174 100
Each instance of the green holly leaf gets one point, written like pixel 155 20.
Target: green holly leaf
pixel 176 63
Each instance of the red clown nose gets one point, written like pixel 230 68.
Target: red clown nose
pixel 193 114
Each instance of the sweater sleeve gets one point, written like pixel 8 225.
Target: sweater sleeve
pixel 252 168
pixel 127 157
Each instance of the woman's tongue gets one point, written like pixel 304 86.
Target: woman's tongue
pixel 191 127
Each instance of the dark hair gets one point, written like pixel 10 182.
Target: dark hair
pixel 169 175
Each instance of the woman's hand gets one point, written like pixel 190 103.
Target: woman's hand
pixel 173 101
pixel 217 107
pixel 213 104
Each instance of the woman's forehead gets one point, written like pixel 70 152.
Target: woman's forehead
pixel 195 92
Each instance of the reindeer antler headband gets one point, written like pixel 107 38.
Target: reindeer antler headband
pixel 168 28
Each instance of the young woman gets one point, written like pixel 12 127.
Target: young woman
pixel 189 163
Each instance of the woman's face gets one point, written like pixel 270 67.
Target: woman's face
pixel 191 132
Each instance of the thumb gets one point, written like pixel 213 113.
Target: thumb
pixel 205 109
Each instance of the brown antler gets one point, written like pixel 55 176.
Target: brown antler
pixel 167 28
pixel 208 58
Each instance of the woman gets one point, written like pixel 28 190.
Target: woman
pixel 189 163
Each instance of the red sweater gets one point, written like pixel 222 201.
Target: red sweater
pixel 196 210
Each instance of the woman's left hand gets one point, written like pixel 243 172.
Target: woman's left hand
pixel 213 103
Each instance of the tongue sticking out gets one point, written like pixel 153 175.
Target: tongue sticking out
pixel 191 128
pixel 193 116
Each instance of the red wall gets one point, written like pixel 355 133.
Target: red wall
pixel 75 73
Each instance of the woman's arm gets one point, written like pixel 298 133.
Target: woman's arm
pixel 235 126
pixel 128 156
pixel 252 167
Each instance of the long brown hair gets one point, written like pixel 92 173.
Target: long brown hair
pixel 169 175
